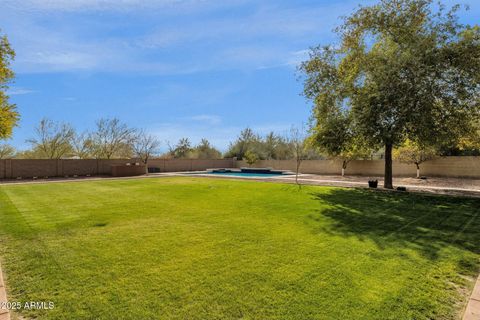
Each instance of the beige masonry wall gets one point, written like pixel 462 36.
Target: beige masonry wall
pixel 468 167
pixel 446 167
pixel 28 168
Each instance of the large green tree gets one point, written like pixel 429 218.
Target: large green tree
pixel 8 111
pixel 404 69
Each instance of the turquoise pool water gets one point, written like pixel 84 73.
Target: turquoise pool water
pixel 244 174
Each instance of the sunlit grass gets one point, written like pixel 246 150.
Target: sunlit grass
pixel 195 248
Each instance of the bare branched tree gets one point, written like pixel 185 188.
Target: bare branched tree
pixel 296 139
pixel 145 146
pixel 111 139
pixel 7 151
pixel 82 145
pixel 53 139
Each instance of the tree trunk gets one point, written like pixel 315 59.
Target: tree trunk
pixel 388 178
pixel 146 166
pixel 297 171
pixel 344 166
pixel 418 170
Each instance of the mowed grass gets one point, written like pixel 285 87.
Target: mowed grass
pixel 197 248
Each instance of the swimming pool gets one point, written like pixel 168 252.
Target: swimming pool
pixel 245 174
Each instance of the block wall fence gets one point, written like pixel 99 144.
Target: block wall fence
pixel 468 167
pixel 28 168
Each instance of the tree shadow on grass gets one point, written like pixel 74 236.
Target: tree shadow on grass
pixel 425 223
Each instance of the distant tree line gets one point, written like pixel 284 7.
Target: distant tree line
pixel 110 139
pixel 184 150
pixel 270 146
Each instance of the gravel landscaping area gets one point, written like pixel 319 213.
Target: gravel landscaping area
pixel 454 186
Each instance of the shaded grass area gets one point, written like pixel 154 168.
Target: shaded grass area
pixel 197 248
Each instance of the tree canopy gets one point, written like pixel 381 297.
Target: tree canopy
pixel 270 146
pixel 8 111
pixel 145 146
pixel 112 139
pixel 7 151
pixel 205 150
pixel 403 69
pixel 335 135
pixel 413 153
pixel 182 149
pixel 247 140
pixel 52 139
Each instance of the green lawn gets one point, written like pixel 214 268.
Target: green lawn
pixel 197 248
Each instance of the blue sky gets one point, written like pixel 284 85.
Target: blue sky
pixel 178 68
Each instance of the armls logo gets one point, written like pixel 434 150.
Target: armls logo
pixel 29 305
